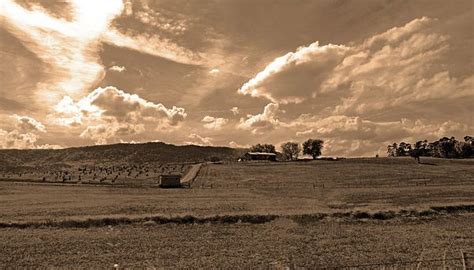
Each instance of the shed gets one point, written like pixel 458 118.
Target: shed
pixel 170 180
pixel 261 156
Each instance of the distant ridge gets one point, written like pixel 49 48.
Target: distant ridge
pixel 153 152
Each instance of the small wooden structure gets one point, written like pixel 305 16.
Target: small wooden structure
pixel 170 180
pixel 260 156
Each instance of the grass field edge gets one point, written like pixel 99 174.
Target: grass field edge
pixel 435 211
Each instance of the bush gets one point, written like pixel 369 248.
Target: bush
pixel 215 159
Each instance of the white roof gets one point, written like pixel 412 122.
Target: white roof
pixel 261 153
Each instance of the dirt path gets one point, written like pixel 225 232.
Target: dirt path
pixel 188 179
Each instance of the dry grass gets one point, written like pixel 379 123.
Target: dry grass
pixel 277 244
pixel 368 185
pixel 242 218
pixel 309 214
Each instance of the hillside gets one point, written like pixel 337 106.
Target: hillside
pixel 155 152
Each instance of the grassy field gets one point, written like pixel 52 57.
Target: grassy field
pixel 273 245
pixel 348 188
pixel 256 188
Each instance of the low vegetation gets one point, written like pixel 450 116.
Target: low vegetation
pixel 243 218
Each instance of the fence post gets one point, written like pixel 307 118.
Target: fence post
pixel 463 257
pixel 444 260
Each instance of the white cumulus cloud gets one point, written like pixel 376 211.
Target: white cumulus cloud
pixel 118 68
pixel 263 122
pixel 199 140
pixel 111 113
pixel 215 123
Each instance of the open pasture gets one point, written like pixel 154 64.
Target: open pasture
pixel 280 244
pixel 72 223
pixel 257 188
pixel 372 184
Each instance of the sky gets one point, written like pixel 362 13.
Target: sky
pixel 358 74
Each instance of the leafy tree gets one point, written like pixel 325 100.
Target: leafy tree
pixel 392 150
pixel 403 149
pixel 463 149
pixel 313 147
pixel 469 140
pixel 443 148
pixel 291 150
pixel 422 146
pixel 266 148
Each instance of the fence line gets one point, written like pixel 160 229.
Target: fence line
pixel 314 186
pixel 365 265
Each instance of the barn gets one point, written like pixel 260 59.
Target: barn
pixel 170 180
pixel 260 156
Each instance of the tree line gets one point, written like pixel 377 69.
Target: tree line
pixel 443 148
pixel 291 150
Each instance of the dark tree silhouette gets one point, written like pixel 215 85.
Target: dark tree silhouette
pixel 442 148
pixel 313 147
pixel 267 148
pixel 403 149
pixel 291 150
pixel 416 154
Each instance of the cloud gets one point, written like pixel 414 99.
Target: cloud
pixel 153 45
pixel 67 113
pixel 111 104
pixel 399 66
pixel 118 68
pixel 199 140
pixel 236 145
pixel 159 20
pixel 405 83
pixel 263 122
pixel 112 113
pixel 149 17
pixel 338 125
pixel 352 135
pixel 214 71
pixel 235 110
pixel 359 97
pixel 114 103
pixel 68 48
pixel 28 124
pixel 24 135
pixel 215 123
pixel 17 140
pixel 296 76
pixel 304 133
pixel 101 133
pixel 49 146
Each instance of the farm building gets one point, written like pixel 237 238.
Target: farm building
pixel 260 156
pixel 170 180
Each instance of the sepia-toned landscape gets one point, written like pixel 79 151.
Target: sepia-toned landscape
pixel 236 134
pixel 307 213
